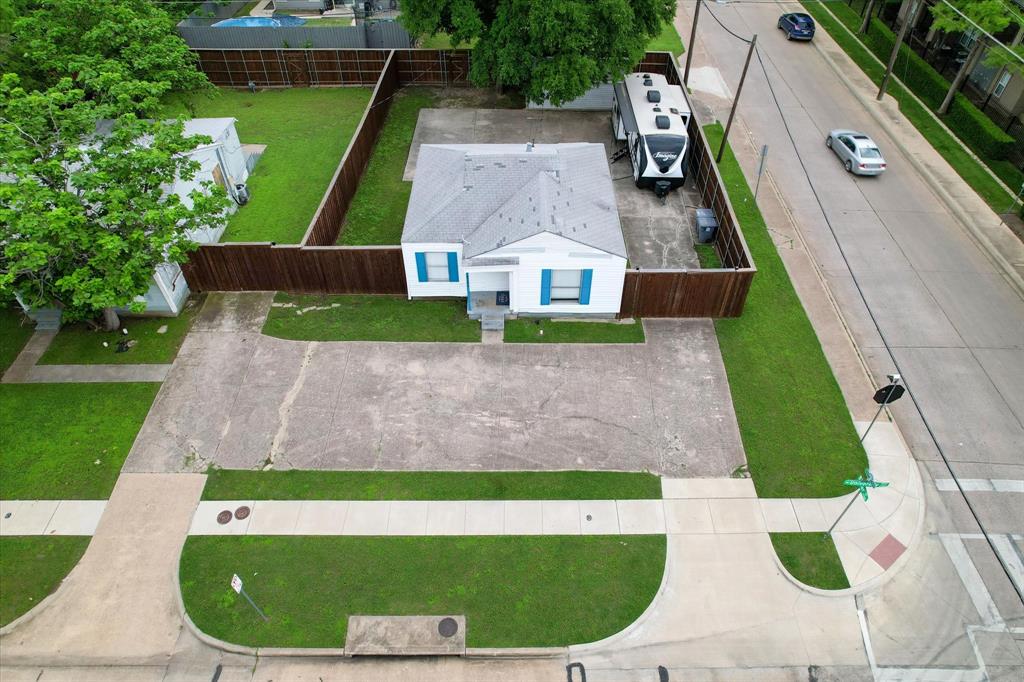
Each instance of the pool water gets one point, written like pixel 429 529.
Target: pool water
pixel 280 20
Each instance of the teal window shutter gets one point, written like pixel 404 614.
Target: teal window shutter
pixel 421 266
pixel 453 266
pixel 588 276
pixel 545 287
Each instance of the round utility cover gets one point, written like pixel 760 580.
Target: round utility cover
pixel 224 517
pixel 242 512
pixel 447 627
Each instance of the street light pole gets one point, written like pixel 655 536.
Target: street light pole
pixel 736 100
pixel 689 49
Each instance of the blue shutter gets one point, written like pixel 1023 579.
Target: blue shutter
pixel 585 280
pixel 469 296
pixel 545 287
pixel 453 266
pixel 421 266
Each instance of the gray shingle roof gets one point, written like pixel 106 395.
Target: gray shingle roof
pixel 486 196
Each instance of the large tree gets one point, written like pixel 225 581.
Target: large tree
pixel 555 49
pixel 965 16
pixel 85 211
pixel 125 53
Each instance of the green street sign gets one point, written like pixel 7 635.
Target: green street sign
pixel 863 482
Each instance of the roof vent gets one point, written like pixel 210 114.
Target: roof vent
pixel 647 75
pixel 657 109
pixel 674 110
pixel 653 96
pixel 529 146
pixel 648 82
pixel 662 122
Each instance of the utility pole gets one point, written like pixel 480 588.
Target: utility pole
pixel 895 51
pixel 736 100
pixel 693 41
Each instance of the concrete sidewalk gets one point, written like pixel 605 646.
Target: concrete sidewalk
pixel 64 374
pixel 50 517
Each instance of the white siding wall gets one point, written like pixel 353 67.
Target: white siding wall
pixel 484 280
pixel 419 289
pixel 549 251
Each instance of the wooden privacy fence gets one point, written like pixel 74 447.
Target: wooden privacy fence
pixel 326 224
pixel 318 266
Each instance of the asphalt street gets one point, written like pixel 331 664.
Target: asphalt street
pixel 931 304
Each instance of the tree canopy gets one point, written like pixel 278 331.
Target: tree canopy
pixel 123 53
pixel 85 210
pixel 554 50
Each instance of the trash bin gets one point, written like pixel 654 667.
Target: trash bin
pixel 707 225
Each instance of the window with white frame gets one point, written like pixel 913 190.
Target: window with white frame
pixel 437 266
pixel 565 286
pixel 1004 80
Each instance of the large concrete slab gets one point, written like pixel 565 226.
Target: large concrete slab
pixel 242 400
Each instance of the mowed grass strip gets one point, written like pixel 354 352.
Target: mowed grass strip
pixel 667 41
pixel 528 330
pixel 32 567
pixel 812 559
pixel 368 318
pixel 80 344
pixel 67 441
pixel 514 591
pixel 15 331
pixel 377 212
pixel 306 130
pixel 237 484
pixel 796 429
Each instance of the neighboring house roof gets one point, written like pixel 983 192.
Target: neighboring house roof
pixel 490 195
pixel 212 127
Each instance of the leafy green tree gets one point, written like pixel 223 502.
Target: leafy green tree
pixel 964 16
pixel 85 211
pixel 124 53
pixel 555 49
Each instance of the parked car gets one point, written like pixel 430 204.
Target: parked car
pixel 857 151
pixel 797 25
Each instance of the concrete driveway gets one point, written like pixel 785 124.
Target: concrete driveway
pixel 657 235
pixel 238 399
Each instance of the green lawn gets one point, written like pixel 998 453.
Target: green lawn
pixel 973 172
pixel 377 213
pixel 236 484
pixel 15 331
pixel 32 567
pixel 811 558
pixel 667 41
pixel 79 344
pixel 368 318
pixel 707 256
pixel 67 441
pixel 245 9
pixel 514 591
pixel 535 330
pixel 306 131
pixel 797 432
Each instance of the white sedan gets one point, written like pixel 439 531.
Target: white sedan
pixel 857 151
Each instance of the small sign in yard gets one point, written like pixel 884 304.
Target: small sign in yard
pixel 236 585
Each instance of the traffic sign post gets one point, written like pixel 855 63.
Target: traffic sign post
pixel 885 396
pixel 236 585
pixel 862 483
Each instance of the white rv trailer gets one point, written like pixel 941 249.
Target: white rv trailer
pixel 651 117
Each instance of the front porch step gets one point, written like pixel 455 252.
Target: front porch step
pixel 492 323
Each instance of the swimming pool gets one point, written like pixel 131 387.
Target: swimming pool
pixel 278 20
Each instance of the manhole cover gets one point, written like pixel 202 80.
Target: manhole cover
pixel 224 517
pixel 242 512
pixel 447 627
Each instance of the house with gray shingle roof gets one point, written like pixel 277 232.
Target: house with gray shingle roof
pixel 528 229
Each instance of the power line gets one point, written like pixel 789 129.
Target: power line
pixel 881 334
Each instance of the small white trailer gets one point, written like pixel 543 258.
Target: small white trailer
pixel 651 117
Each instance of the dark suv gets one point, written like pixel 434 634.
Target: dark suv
pixel 798 26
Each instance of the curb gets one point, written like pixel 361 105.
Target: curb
pixel 886 575
pixel 1006 269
